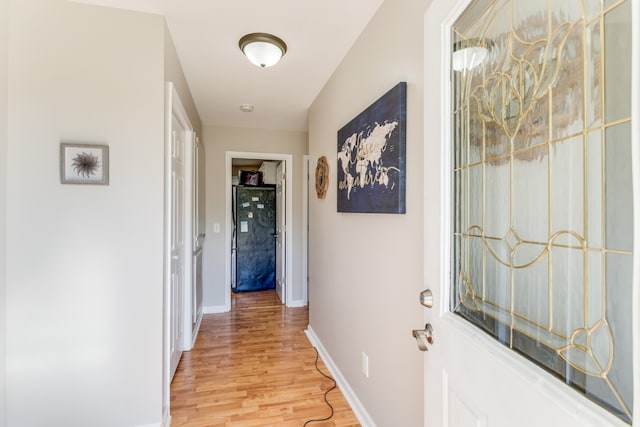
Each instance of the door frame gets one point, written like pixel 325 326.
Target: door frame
pixel 288 159
pixel 281 217
pixel 305 228
pixel 438 21
pixel 635 152
pixel 197 236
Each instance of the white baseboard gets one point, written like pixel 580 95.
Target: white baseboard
pixel 357 407
pixel 166 418
pixel 297 303
pixel 214 309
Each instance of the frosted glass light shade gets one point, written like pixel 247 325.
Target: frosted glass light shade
pixel 468 58
pixel 263 50
pixel 469 53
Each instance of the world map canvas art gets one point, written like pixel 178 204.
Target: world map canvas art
pixel 371 157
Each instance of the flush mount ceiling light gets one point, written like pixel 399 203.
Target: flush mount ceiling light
pixel 262 49
pixel 469 53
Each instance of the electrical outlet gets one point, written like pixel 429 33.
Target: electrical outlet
pixel 365 364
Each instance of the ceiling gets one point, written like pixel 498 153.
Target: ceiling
pixel 318 34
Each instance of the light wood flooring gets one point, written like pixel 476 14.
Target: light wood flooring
pixel 254 366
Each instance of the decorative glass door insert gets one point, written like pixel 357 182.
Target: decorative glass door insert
pixel 543 221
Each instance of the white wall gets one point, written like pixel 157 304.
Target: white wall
pixel 173 73
pixel 219 140
pixel 4 41
pixel 84 263
pixel 366 269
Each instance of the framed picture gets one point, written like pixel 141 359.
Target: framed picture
pixel 371 157
pixel 84 164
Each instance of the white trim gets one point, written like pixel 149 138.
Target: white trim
pixel 288 159
pixel 305 229
pixel 166 418
pixel 351 397
pixel 166 282
pixel 296 303
pixel 215 309
pixel 188 295
pixel 635 161
pixel 445 153
pixel 196 329
pixel 166 318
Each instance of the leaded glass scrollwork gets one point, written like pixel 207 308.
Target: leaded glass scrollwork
pixel 543 230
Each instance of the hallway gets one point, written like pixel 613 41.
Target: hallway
pixel 254 366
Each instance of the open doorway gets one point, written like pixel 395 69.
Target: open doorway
pixel 280 166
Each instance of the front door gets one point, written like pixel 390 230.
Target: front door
pixel 529 221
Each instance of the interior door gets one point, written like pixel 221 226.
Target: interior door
pixel 178 244
pixel 529 220
pixel 280 232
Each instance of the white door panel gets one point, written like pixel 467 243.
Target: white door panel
pixel 529 226
pixel 178 228
pixel 177 240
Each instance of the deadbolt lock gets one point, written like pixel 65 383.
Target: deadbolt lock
pixel 426 298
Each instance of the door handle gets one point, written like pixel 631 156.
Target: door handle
pixel 424 337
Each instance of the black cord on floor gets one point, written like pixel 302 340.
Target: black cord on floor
pixel 325 393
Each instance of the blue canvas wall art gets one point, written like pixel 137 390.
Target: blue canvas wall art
pixel 371 157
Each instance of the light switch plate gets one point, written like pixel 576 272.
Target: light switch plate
pixel 365 364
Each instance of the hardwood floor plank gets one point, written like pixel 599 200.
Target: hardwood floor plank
pixel 254 366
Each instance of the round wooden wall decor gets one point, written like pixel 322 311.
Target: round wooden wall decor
pixel 322 177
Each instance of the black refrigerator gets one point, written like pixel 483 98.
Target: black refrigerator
pixel 254 244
